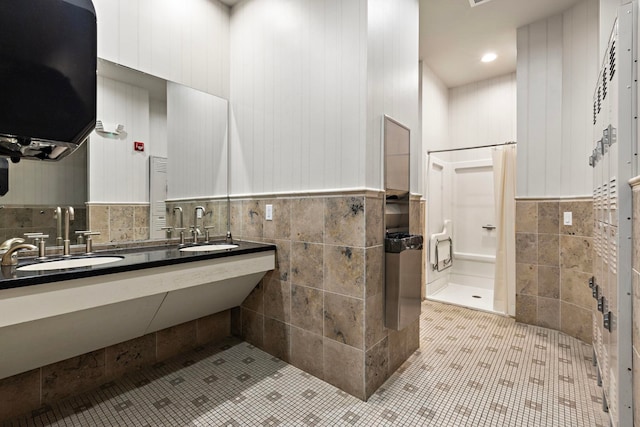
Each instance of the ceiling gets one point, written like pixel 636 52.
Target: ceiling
pixel 454 35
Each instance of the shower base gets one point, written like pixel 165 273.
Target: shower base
pixel 465 296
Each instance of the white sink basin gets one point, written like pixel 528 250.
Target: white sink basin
pixel 207 248
pixel 69 263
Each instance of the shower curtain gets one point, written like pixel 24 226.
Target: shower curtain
pixel 504 181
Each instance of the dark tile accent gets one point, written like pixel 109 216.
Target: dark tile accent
pixel 389 415
pixel 243 377
pixel 174 382
pixel 273 396
pixel 427 413
pixel 210 379
pixel 162 403
pixel 311 420
pixel 309 394
pixel 271 422
pixel 199 401
pixel 350 418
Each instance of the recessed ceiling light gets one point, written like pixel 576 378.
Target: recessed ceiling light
pixel 488 57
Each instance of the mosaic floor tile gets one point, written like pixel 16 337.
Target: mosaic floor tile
pixel 475 369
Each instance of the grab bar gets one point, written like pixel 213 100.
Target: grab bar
pixel 489 227
pixel 447 263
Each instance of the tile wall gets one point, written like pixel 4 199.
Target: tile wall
pixel 322 309
pixel 636 302
pixel 17 220
pixel 554 264
pixel 35 390
pixel 118 223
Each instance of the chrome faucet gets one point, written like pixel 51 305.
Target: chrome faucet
pixel 69 215
pixel 181 228
pixel 57 214
pixel 12 246
pixel 196 231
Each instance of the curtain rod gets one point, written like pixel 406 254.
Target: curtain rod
pixel 472 148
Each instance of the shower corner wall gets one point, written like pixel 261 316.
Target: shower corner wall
pixel 553 265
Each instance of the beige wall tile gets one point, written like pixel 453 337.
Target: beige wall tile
pixel 344 271
pixel 236 218
pixel 283 258
pixel 548 219
pixel 213 328
pixel 307 264
pixel 344 367
pixel 549 313
pixel 374 217
pixel 376 367
pixel 255 300
pixel 141 216
pixel 344 319
pixel 636 309
pixel 277 339
pixel 121 217
pixel 73 376
pixel 527 279
pixel 374 263
pixel 175 340
pixel 277 300
pixel 252 218
pixel 548 249
pixel 344 221
pixel 253 327
pixel 307 220
pixel 576 253
pixel 527 248
pixel 98 217
pixel 526 217
pixel 374 320
pixel 19 393
pixel 576 321
pixel 548 282
pixel 306 351
pixel 527 309
pixel 582 218
pixel 280 226
pixel 307 309
pixel 575 289
pixel 130 355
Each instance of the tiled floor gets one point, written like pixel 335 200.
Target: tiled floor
pixel 473 369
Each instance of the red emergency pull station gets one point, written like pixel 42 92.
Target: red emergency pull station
pixel 138 146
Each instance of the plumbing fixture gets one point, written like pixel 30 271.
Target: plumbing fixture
pixel 168 230
pixel 181 228
pixel 69 215
pixel 228 240
pixel 14 245
pixel 57 214
pixel 194 229
pixel 207 236
pixel 88 241
pixel 39 239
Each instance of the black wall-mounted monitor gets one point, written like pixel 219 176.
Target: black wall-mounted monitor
pixel 48 55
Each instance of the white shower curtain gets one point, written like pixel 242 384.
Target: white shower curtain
pixel 504 182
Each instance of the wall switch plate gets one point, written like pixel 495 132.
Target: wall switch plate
pixel 268 215
pixel 568 218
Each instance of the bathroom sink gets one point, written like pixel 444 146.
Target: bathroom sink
pixel 207 248
pixel 63 264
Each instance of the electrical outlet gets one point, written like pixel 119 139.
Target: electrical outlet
pixel 268 215
pixel 568 218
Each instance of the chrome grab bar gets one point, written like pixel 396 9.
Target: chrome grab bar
pixel 489 227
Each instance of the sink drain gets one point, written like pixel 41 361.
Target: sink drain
pixel 476 296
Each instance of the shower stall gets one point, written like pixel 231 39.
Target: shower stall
pixel 470 227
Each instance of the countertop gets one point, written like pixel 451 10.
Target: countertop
pixel 136 258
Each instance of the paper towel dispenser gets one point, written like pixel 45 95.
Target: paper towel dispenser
pixel 48 61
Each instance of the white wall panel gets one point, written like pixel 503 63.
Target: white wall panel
pixel 435 117
pixel 117 173
pixel 557 65
pixel 393 82
pixel 186 42
pixel 298 95
pixel 483 113
pixel 197 143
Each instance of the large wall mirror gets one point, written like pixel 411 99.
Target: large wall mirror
pixel 109 177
